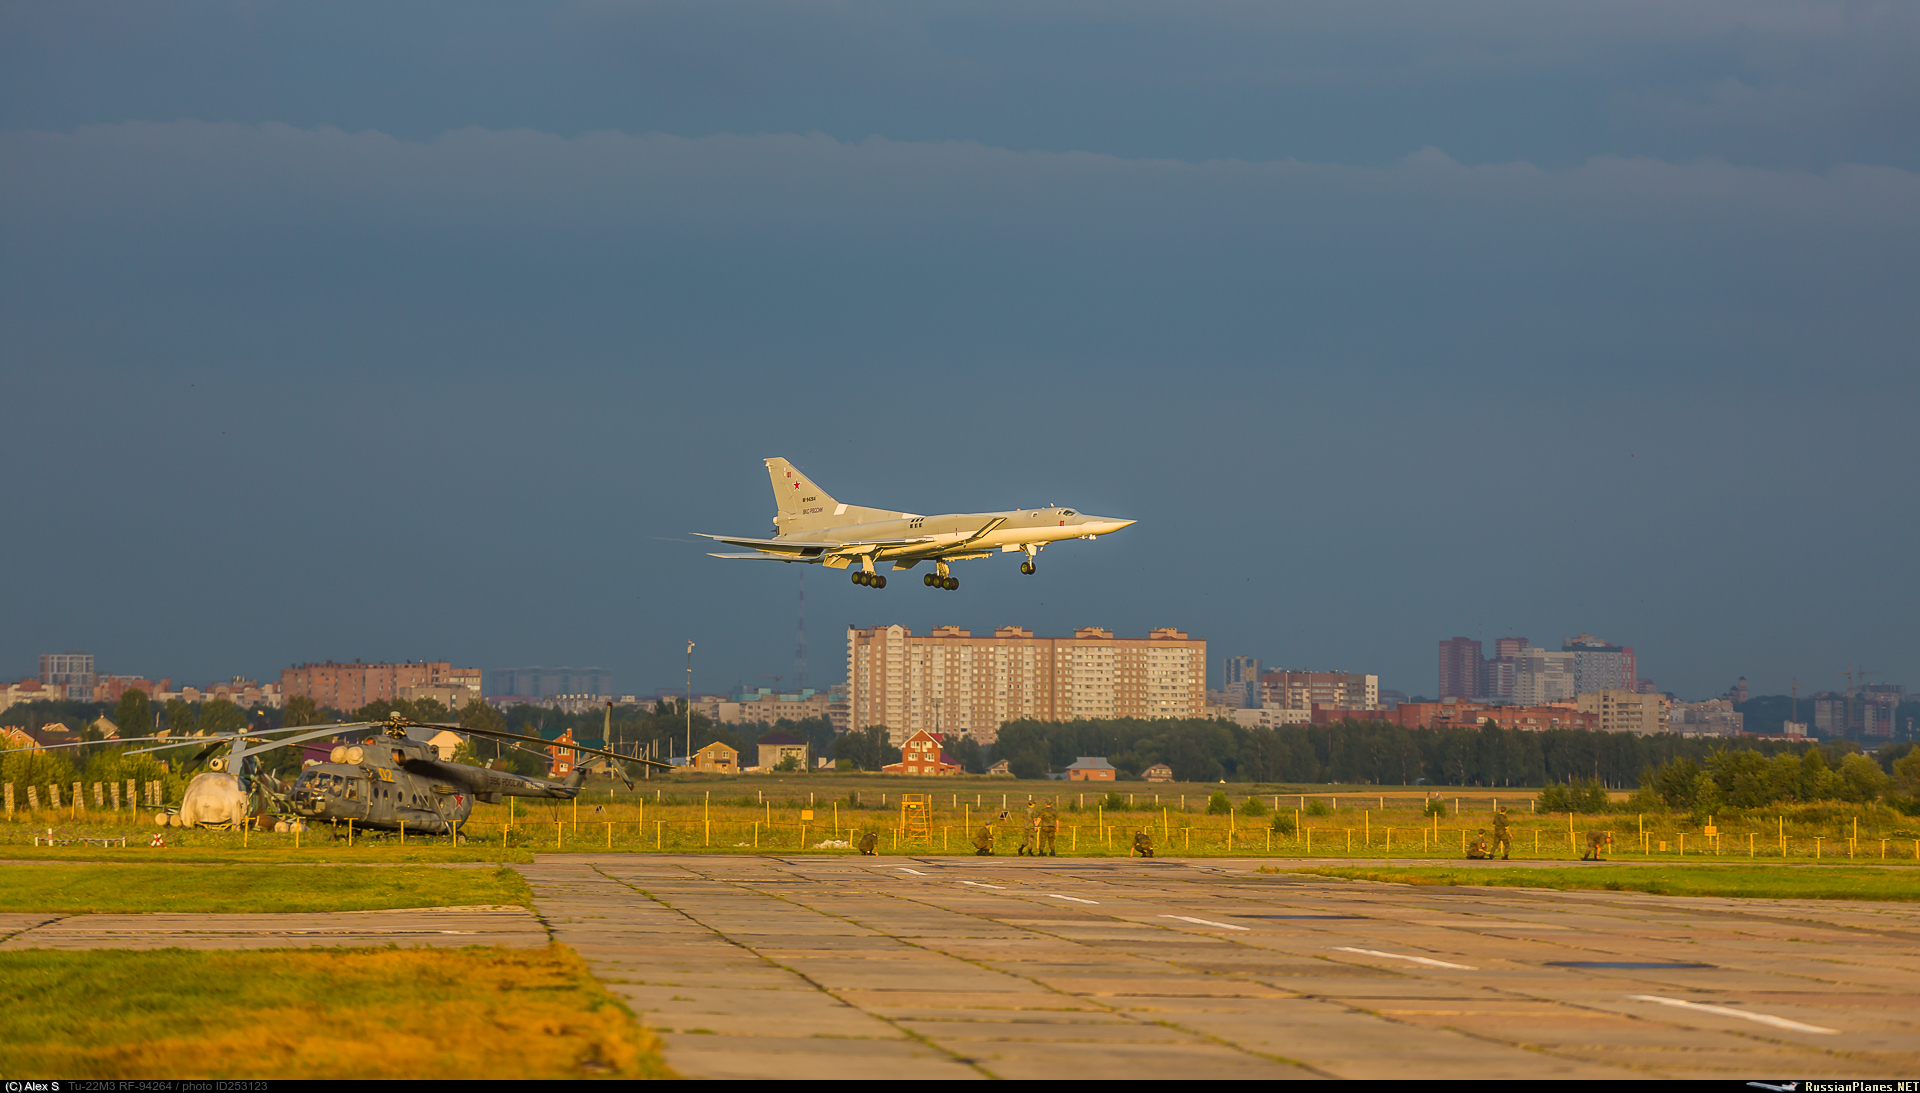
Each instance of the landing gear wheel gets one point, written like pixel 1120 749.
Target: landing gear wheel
pixel 927 580
pixel 859 577
pixel 879 581
pixel 952 584
pixel 1027 568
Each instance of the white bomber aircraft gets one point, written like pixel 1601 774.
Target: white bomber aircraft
pixel 812 527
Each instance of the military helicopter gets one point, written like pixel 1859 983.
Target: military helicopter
pixel 390 780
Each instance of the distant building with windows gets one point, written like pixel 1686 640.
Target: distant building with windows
pixel 952 682
pixel 1305 690
pixel 1715 717
pixel 536 684
pixel 348 686
pixel 1622 710
pixel 921 754
pixel 71 672
pixel 1091 768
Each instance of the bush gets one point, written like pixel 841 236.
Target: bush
pixel 1435 807
pixel 1218 805
pixel 1114 802
pixel 1283 824
pixel 1584 797
pixel 1319 807
pixel 1253 806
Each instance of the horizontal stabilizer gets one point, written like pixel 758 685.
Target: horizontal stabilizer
pixel 757 556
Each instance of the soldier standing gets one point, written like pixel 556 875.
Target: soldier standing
pixel 1502 838
pixel 1049 829
pixel 1029 833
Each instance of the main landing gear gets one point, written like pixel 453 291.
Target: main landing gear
pixel 934 580
pixel 870 580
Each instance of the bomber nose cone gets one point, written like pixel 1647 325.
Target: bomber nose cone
pixel 1102 525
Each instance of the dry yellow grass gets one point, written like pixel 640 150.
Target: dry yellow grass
pixel 316 1013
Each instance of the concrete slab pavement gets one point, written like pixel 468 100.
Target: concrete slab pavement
pixel 953 967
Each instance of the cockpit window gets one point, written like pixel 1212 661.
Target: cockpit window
pixel 1066 512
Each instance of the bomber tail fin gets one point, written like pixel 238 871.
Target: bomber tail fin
pixel 804 506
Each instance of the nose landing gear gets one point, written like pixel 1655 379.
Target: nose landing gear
pixel 1027 568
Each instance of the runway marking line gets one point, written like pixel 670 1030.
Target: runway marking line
pixel 983 884
pixel 915 872
pixel 1728 1011
pixel 1206 922
pixel 1403 956
pixel 1076 899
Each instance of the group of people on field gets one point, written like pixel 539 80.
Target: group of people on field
pixel 1042 829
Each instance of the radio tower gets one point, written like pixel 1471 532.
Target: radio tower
pixel 800 646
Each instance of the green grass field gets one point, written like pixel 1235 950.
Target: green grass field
pixel 1745 881
pixel 100 888
pixel 746 814
pixel 333 1013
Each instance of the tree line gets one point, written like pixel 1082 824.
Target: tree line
pixel 1382 753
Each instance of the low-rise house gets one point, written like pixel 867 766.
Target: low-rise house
pixel 921 754
pixel 775 748
pixel 1091 768
pixel 1159 772
pixel 718 758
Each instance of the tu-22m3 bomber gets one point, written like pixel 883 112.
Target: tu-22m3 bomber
pixel 813 528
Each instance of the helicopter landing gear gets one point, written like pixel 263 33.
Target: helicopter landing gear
pixel 870 580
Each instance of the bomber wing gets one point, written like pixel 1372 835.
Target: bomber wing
pixel 801 548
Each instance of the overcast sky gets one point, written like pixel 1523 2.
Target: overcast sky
pixel 432 331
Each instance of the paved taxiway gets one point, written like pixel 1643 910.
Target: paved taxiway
pixel 958 967
pixel 763 967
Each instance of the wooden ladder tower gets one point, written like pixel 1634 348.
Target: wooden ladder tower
pixel 916 817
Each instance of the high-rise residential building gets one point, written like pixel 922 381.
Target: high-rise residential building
pixel 950 681
pixel 1241 677
pixel 1496 674
pixel 1460 668
pixel 1541 676
pixel 1600 666
pixel 1305 690
pixel 72 672
pixel 347 687
pixel 1868 712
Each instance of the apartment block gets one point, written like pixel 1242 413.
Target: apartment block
pixel 71 672
pixel 1715 717
pixel 1305 690
pixel 1624 711
pixel 347 687
pixel 1461 665
pixel 951 682
pixel 1541 676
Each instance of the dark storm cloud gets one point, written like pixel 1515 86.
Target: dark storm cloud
pixel 457 396
pixel 1803 84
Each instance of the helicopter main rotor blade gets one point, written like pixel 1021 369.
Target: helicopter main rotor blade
pixel 501 734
